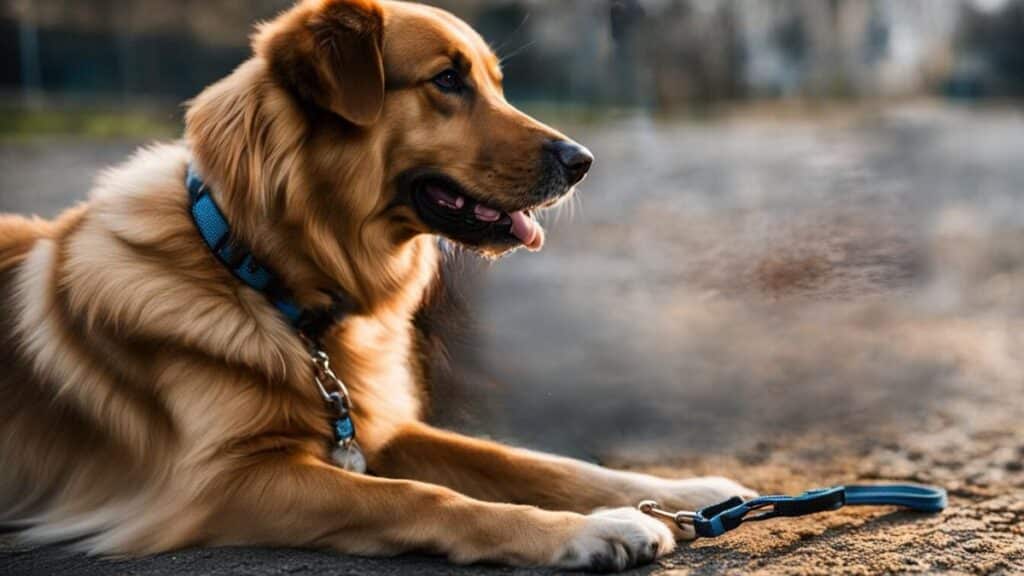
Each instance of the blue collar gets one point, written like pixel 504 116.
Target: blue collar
pixel 216 233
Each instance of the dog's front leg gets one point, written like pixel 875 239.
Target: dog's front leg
pixel 497 473
pixel 302 502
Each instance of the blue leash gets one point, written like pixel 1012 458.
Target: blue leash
pixel 716 520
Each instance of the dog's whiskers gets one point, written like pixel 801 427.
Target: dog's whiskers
pixel 518 51
pixel 497 49
pixel 576 204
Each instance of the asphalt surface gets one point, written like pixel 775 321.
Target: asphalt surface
pixel 793 300
pixel 15 559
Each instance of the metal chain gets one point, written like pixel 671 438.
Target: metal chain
pixel 325 377
pixel 346 454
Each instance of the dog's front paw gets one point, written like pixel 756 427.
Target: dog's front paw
pixel 614 540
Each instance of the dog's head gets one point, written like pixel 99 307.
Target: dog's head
pixel 393 114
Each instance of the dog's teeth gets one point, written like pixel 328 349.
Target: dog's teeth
pixel 486 213
pixel 457 204
pixel 444 199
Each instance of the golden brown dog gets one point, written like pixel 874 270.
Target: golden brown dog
pixel 151 400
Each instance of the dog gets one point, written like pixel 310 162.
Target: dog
pixel 154 397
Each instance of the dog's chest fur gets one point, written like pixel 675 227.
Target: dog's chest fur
pixel 142 370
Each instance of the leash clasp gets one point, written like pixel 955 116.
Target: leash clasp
pixel 683 518
pixel 726 516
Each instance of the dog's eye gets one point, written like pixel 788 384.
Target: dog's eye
pixel 449 81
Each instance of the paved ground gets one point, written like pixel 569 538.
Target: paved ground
pixel 793 302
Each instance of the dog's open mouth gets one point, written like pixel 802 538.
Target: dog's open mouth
pixel 446 207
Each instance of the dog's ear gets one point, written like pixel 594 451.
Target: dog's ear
pixel 329 53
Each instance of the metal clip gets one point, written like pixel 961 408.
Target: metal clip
pixel 684 519
pixel 347 454
pixel 325 376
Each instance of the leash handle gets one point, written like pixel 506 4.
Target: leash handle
pixel 912 496
pixel 716 520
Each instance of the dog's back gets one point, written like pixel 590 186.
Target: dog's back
pixel 17 236
pixel 38 437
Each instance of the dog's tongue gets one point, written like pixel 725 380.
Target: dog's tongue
pixel 527 230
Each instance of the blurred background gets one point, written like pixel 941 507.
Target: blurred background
pixel 658 54
pixel 804 228
pixel 661 55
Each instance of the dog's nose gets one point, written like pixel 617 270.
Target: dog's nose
pixel 576 159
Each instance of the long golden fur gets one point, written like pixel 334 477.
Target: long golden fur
pixel 151 401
